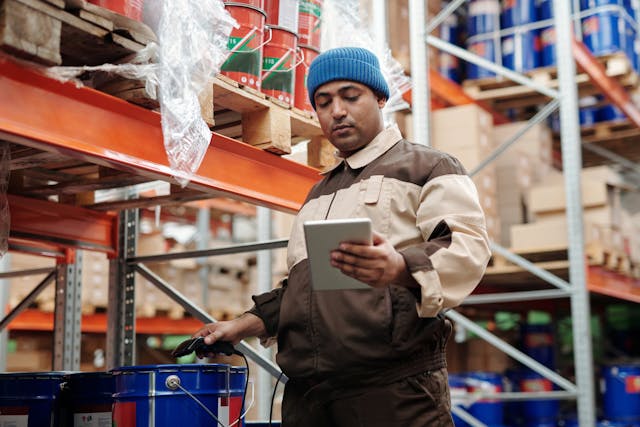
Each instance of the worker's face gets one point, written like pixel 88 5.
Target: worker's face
pixel 349 114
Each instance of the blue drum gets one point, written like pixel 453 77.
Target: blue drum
pixel 521 51
pixel 539 411
pixel 518 12
pixel 458 390
pixel 489 411
pixel 548 47
pixel 484 46
pixel 449 65
pixel 622 393
pixel 602 33
pixel 90 398
pixel 483 17
pixel 538 339
pixel 32 399
pixel 588 112
pixel 172 395
pixel 590 4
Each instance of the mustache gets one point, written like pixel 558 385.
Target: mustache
pixel 342 124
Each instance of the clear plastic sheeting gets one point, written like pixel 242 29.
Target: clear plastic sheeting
pixel 5 218
pixel 192 46
pixel 342 25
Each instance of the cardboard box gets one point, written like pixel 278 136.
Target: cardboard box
pixel 551 198
pixel 553 234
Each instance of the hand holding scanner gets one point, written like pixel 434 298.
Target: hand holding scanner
pixel 200 347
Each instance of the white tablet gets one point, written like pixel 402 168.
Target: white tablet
pixel 321 237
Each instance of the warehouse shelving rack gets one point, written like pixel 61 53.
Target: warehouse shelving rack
pixel 46 115
pixel 582 278
pixel 80 123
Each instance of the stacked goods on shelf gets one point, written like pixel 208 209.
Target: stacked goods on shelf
pixel 525 163
pixel 610 26
pixel 483 27
pixel 524 38
pixel 245 44
pixel 20 287
pixel 227 277
pixel 471 144
pixel 398 31
pixel 520 43
pixel 449 65
pixel 271 43
pixel 95 278
pixel 602 193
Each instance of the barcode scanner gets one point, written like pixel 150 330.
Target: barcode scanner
pixel 200 347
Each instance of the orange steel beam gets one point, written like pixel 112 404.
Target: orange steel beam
pixel 613 284
pixel 62 225
pixel 37 320
pixel 611 88
pixel 451 93
pixel 43 113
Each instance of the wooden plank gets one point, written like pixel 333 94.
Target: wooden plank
pixel 149 202
pixel 229 95
pixel 29 33
pixel 269 129
pixel 505 94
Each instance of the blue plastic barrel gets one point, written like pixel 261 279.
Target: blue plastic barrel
pixel 621 389
pixel 630 44
pixel 172 395
pixel 458 391
pixel 545 9
pixel 32 399
pixel 483 17
pixel 538 341
pixel 521 51
pixel 518 12
pixel 610 112
pixel 538 412
pixel 489 411
pixel 588 111
pixel 590 4
pixel 449 65
pixel 485 47
pixel 90 398
pixel 548 47
pixel 602 32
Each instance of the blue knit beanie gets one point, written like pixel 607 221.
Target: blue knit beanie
pixel 346 63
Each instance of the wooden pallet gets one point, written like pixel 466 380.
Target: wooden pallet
pixel 555 260
pixel 503 94
pixel 617 136
pixel 55 32
pixel 243 113
pixel 42 175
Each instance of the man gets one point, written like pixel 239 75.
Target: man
pixel 372 357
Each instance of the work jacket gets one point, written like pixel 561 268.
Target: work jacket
pixel 425 204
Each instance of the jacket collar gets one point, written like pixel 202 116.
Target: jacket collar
pixel 378 146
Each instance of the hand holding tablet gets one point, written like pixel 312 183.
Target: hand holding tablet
pixel 321 238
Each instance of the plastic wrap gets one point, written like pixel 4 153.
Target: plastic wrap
pixel 5 218
pixel 192 46
pixel 342 25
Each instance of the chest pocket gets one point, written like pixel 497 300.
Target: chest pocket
pixel 374 201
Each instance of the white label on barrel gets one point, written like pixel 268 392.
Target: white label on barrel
pixel 484 7
pixel 288 15
pixel 95 419
pixel 14 420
